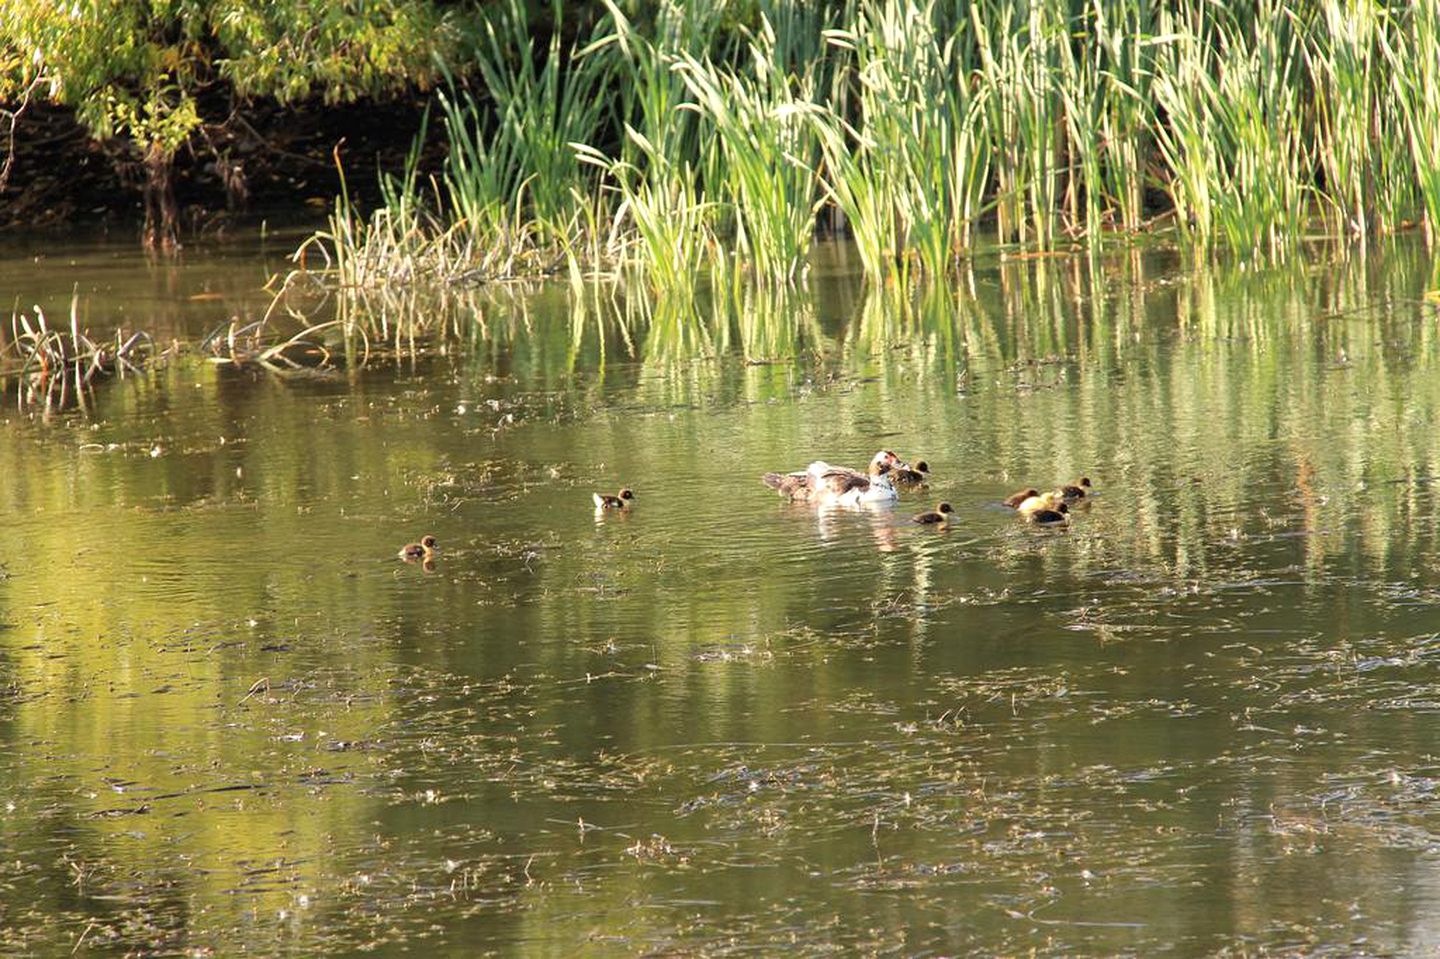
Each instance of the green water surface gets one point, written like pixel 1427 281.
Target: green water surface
pixel 1204 718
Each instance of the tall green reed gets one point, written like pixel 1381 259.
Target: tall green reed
pixel 763 153
pixel 1412 61
pixel 909 173
pixel 1230 90
pixel 511 167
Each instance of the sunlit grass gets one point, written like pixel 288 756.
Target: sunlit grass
pixel 720 139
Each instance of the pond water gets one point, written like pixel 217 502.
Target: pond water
pixel 1205 717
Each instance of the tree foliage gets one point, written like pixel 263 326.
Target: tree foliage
pixel 138 69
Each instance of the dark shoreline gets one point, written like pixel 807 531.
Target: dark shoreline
pixel 63 179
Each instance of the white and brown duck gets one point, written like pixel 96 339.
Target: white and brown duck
pixel 827 485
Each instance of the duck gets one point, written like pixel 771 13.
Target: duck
pixel 848 488
pixel 908 475
pixel 620 500
pixel 810 484
pixel 1075 491
pixel 1015 499
pixel 1058 515
pixel 425 549
pixel 940 515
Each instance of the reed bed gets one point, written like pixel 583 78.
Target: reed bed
pixel 57 367
pixel 694 144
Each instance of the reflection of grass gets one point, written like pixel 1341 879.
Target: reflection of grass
pixel 972 712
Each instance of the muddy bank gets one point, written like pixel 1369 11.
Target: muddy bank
pixel 269 163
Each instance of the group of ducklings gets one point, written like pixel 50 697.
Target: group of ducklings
pixel 1050 508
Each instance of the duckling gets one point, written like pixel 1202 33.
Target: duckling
pixel 1058 516
pixel 1076 491
pixel 619 501
pixel 425 549
pixel 939 515
pixel 1015 499
pixel 1040 501
pixel 907 475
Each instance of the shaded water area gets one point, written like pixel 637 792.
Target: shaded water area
pixel 1205 717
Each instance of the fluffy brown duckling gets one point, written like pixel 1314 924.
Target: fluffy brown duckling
pixel 1015 499
pixel 1058 515
pixel 1075 491
pixel 908 475
pixel 425 549
pixel 620 500
pixel 940 515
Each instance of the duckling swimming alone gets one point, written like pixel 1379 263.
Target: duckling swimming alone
pixel 425 549
pixel 619 501
pixel 939 515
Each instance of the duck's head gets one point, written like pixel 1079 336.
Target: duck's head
pixel 887 457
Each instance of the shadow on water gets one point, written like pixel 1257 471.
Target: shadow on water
pixel 1201 716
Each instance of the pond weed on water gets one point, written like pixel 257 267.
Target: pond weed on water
pixel 1198 717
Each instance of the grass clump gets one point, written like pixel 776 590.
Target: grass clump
pixel 686 139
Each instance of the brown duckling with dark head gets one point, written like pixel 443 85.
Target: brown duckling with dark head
pixel 1075 491
pixel 1015 499
pixel 940 515
pixel 425 549
pixel 907 475
pixel 620 500
pixel 1059 515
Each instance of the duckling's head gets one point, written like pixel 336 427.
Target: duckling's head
pixel 922 467
pixel 1084 482
pixel 1032 491
pixel 945 508
pixel 627 493
pixel 1061 508
pixel 428 542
